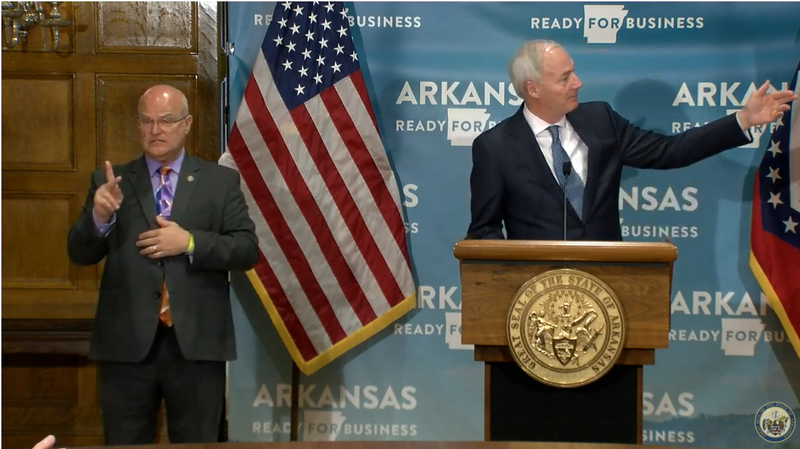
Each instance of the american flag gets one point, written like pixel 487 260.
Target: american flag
pixel 333 267
pixel 775 227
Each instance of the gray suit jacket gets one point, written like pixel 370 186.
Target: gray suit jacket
pixel 210 206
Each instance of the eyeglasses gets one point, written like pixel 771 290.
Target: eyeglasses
pixel 166 122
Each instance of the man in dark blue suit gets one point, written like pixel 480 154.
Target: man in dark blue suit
pixel 519 165
pixel 519 168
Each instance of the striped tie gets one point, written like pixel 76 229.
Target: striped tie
pixel 164 197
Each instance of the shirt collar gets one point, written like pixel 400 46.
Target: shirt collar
pixel 153 165
pixel 537 124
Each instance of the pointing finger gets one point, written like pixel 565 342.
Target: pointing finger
pixel 109 172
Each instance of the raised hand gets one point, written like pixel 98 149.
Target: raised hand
pixel 762 108
pixel 108 196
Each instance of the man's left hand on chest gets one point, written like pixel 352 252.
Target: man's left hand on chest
pixel 169 240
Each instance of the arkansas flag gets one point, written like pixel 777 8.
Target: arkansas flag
pixel 774 232
pixel 334 267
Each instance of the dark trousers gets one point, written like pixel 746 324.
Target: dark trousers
pixel 131 395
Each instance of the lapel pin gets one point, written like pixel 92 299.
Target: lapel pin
pixel 190 178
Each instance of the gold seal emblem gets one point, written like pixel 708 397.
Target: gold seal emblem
pixel 565 328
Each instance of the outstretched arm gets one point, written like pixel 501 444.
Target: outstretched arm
pixel 646 149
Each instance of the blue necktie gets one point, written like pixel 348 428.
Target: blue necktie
pixel 574 187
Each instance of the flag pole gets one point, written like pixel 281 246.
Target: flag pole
pixel 295 401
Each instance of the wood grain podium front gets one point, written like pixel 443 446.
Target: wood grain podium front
pixel 519 408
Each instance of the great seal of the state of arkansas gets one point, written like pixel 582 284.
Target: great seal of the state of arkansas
pixel 565 328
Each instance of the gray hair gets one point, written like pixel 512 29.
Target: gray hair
pixel 527 63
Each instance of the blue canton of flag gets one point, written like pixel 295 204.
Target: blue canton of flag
pixel 310 49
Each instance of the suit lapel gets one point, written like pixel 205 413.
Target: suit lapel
pixel 584 128
pixel 189 175
pixel 142 186
pixel 527 149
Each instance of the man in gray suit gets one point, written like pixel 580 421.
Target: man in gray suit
pixel 163 327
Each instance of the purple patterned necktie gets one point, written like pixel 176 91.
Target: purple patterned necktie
pixel 164 208
pixel 164 194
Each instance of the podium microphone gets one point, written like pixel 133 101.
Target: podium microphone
pixel 567 170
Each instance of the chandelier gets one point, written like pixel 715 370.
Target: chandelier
pixel 20 17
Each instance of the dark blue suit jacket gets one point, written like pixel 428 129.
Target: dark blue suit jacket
pixel 512 185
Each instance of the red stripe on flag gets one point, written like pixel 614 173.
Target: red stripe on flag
pixel 284 309
pixel 361 87
pixel 778 260
pixel 376 184
pixel 270 283
pixel 269 209
pixel 347 208
pixel 398 233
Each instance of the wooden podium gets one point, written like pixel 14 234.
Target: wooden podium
pixel 492 271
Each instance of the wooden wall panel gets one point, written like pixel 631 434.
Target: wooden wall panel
pixel 50 394
pixel 147 27
pixel 53 394
pixel 53 96
pixel 36 223
pixel 63 114
pixel 39 383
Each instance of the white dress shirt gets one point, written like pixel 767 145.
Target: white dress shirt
pixel 577 151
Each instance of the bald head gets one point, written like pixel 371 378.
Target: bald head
pixel 164 122
pixel 165 95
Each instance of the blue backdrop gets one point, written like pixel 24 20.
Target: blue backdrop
pixel 437 74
